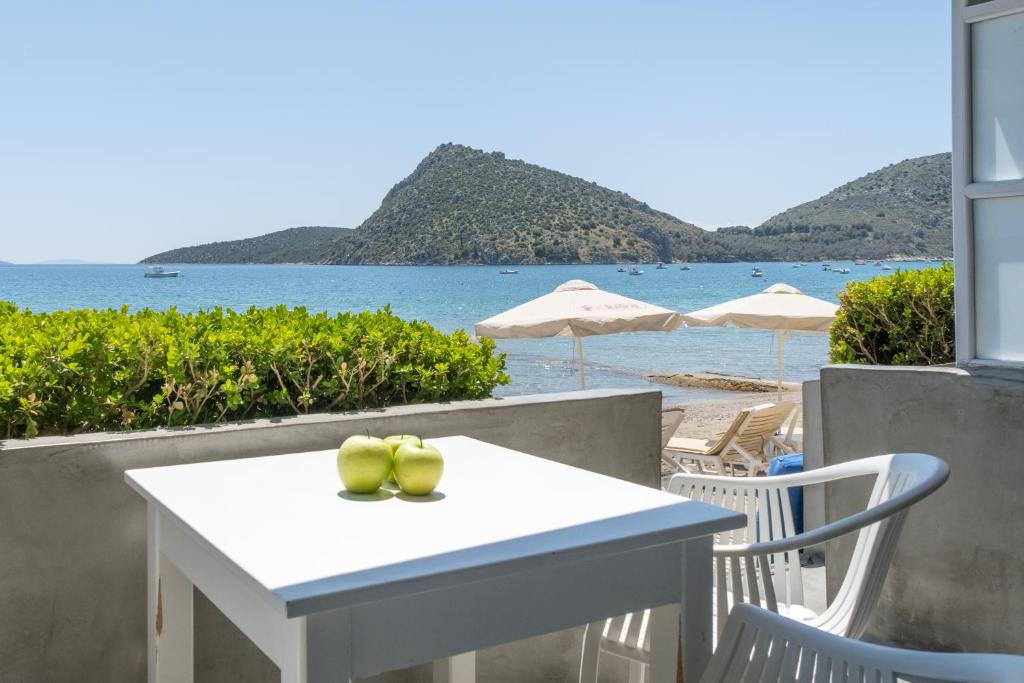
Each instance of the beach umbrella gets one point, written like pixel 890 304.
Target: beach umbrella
pixel 578 309
pixel 782 308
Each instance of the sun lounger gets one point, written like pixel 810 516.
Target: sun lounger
pixel 749 442
pixel 670 420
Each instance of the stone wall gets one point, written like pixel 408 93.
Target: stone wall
pixel 72 537
pixel 957 580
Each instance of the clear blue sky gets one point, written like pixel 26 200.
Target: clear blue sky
pixel 127 128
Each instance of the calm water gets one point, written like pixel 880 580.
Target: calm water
pixel 456 297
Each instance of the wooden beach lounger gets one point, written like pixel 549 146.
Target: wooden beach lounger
pixel 670 421
pixel 747 442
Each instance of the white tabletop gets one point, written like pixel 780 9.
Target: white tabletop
pixel 286 524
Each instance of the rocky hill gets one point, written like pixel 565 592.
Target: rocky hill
pixel 900 210
pixel 465 206
pixel 309 244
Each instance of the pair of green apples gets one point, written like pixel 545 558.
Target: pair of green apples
pixel 365 462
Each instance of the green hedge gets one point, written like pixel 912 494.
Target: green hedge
pixel 85 370
pixel 901 319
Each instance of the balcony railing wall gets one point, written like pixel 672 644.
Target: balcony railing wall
pixel 72 569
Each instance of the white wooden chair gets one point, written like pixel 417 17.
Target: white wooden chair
pixel 760 563
pixel 758 646
pixel 749 441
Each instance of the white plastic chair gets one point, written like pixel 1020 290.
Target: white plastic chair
pixel 760 563
pixel 761 647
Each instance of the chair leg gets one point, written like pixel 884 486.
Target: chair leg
pixel 591 656
pixel 636 672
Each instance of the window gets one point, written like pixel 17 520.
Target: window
pixel 988 180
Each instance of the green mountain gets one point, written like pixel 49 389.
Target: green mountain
pixel 309 244
pixel 463 205
pixel 900 210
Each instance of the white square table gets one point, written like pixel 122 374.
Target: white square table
pixel 333 586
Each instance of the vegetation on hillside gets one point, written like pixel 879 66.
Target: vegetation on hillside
pixel 308 244
pixel 85 370
pixel 463 205
pixel 900 210
pixel 905 318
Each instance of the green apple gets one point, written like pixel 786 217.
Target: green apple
pixel 418 469
pixel 395 441
pixel 363 463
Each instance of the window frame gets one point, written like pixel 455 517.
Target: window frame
pixel 965 191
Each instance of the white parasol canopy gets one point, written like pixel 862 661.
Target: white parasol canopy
pixel 578 309
pixel 781 307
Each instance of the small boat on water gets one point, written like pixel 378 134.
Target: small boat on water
pixel 886 268
pixel 509 271
pixel 622 270
pixel 841 271
pixel 756 272
pixel 825 266
pixel 158 271
pixel 859 262
pixel 635 271
pixel 684 267
pixel 661 266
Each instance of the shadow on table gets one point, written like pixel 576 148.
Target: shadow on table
pixel 432 497
pixel 377 496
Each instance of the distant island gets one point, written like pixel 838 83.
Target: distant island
pixel 308 244
pixel 466 206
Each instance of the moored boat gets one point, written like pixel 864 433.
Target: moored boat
pixel 158 271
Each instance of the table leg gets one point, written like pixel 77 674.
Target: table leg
pixel 457 669
pixel 169 613
pixel 317 649
pixel 697 627
pixel 664 629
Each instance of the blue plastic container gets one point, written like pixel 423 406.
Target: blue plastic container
pixel 790 464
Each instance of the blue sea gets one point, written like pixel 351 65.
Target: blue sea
pixel 457 296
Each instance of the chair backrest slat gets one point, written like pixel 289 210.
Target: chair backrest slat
pixel 758 646
pixel 671 418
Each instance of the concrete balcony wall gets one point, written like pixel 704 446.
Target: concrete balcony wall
pixel 957 580
pixel 73 547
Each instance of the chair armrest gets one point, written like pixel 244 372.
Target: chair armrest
pixel 822 475
pixel 887 508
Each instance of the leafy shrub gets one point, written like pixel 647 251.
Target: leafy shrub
pixel 87 370
pixel 901 319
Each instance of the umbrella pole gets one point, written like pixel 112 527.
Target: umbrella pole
pixel 583 381
pixel 778 364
